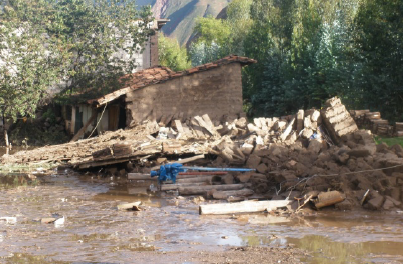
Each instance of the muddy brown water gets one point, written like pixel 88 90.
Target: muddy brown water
pixel 94 231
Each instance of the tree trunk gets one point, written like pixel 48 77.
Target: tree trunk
pixel 5 136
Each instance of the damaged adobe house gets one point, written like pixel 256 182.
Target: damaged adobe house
pixel 160 94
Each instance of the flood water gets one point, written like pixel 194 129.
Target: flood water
pixel 94 231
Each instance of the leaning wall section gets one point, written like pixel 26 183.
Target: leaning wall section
pixel 216 92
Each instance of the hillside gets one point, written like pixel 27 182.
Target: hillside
pixel 183 14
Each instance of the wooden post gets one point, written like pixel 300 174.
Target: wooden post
pixel 84 128
pixel 6 137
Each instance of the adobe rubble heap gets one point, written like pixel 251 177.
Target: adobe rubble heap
pixel 294 156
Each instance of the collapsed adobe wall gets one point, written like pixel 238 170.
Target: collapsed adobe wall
pixel 216 92
pixel 293 156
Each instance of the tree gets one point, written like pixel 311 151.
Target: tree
pixel 217 38
pixel 102 38
pixel 77 44
pixel 27 66
pixel 379 42
pixel 171 54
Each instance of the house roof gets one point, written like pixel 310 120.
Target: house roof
pixel 158 74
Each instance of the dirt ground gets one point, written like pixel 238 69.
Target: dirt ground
pixel 235 255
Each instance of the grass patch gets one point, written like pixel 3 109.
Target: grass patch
pixel 389 141
pixel 12 168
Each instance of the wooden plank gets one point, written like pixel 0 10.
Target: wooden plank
pixel 167 187
pixel 183 161
pixel 237 193
pixel 203 189
pixel 171 147
pixel 106 152
pixel 204 125
pixel 93 164
pixel 129 206
pixel 141 176
pixel 121 149
pixel 242 207
pixel 207 179
pixel 113 117
pixel 84 128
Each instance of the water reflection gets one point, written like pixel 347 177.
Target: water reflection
pixel 325 250
pixel 96 232
pixel 22 258
pixel 14 180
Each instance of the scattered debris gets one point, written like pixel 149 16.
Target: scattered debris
pixel 328 198
pixel 9 219
pixel 313 150
pixel 130 206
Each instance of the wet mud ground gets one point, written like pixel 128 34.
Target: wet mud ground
pixel 169 230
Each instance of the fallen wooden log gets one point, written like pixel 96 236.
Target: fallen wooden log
pixel 237 193
pixel 192 190
pixel 242 207
pixel 167 187
pixel 206 178
pixel 328 198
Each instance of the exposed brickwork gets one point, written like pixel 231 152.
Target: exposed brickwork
pixel 160 74
pixel 154 50
pixel 217 92
pixel 337 119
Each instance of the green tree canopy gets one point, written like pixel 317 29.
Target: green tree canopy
pixel 86 44
pixel 171 54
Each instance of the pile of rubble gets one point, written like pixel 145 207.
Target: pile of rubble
pixel 374 122
pixel 294 156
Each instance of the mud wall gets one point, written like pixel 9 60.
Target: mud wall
pixel 216 92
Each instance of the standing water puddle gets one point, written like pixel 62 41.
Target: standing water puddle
pixel 94 231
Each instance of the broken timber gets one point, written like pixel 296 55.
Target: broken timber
pixel 120 159
pixel 183 161
pixel 181 175
pixel 192 190
pixel 242 207
pixel 167 187
pixel 84 128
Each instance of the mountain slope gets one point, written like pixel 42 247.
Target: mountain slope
pixel 183 14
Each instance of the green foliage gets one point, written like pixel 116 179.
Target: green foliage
pixel 49 114
pixel 379 42
pixel 78 44
pixel 212 30
pixel 27 67
pixel 218 38
pixel 171 54
pixel 389 141
pixel 34 133
pixel 309 51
